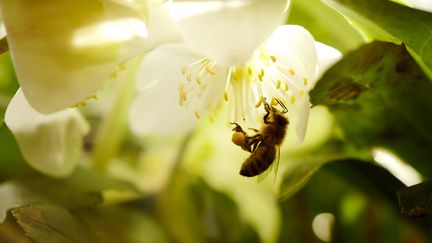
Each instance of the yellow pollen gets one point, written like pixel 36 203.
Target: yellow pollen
pixel 305 81
pixel 249 70
pixel 286 87
pixel 293 99
pixel 198 80
pixel 302 92
pixel 122 67
pixel 273 102
pixel 260 101
pixel 273 58
pixel 197 115
pixel 210 70
pixel 183 70
pixel 291 72
pixel 226 96
pixel 278 84
pixel 114 75
pixel 189 77
pixel 261 75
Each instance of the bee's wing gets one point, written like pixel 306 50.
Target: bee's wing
pixel 274 165
pixel 263 175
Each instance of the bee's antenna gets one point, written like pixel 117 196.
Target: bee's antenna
pixel 284 108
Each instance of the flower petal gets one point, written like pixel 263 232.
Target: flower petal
pixel 227 31
pixel 425 5
pixel 287 39
pixel 51 143
pixel 327 56
pixel 63 50
pixel 302 110
pixel 157 105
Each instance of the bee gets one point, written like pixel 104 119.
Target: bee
pixel 264 144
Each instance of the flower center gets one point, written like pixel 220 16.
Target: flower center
pixel 263 77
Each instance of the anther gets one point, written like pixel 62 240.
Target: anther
pixel 197 115
pixel 293 99
pixel 305 81
pixel 278 83
pixel 260 101
pixel 210 70
pixel 291 72
pixel 183 70
pixel 273 58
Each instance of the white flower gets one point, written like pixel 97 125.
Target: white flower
pixel 63 51
pixel 51 144
pixel 425 5
pixel 243 60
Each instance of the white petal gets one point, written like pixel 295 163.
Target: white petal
pixel 289 39
pixel 227 31
pixel 51 143
pixel 161 28
pixel 425 5
pixel 156 110
pixel 165 63
pixel 64 50
pixel 302 118
pixel 327 56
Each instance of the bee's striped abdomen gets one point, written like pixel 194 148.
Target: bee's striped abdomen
pixel 259 161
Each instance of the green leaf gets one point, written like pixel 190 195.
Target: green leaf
pixel 412 27
pixel 325 24
pixel 123 223
pixel 193 212
pixel 4 47
pixel 415 201
pixel 12 164
pixel 381 98
pixel 82 188
pixel 49 223
pixel 45 223
pixel 370 178
pixel 297 177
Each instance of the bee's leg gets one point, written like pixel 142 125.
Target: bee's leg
pixel 253 129
pixel 266 116
pixel 254 142
pixel 238 128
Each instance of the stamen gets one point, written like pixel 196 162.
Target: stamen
pixel 197 115
pixel 278 83
pixel 210 69
pixel 291 72
pixel 261 75
pixel 273 58
pixel 305 81
pixel 273 101
pixel 260 101
pixel 302 93
pixel 293 99
pixel 249 69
